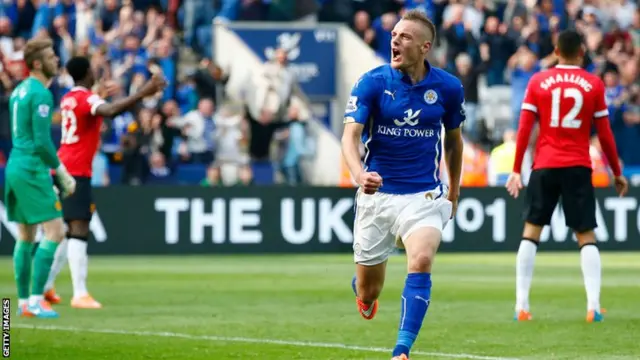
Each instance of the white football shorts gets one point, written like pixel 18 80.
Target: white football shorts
pixel 382 219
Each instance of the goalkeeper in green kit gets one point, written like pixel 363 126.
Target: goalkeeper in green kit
pixel 30 197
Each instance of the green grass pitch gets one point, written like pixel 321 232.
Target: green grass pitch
pixel 302 307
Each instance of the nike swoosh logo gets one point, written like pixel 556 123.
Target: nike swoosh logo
pixel 368 312
pixel 35 310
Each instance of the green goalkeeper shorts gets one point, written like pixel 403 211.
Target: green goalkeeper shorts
pixel 30 198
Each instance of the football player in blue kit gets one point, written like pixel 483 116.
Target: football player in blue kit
pixel 398 111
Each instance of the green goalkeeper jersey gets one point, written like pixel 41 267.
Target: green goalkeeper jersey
pixel 31 107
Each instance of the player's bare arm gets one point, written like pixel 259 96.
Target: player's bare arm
pixel 453 147
pixel 155 84
pixel 528 117
pixel 607 141
pixel 370 181
pixel 527 120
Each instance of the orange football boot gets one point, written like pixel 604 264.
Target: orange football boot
pixel 367 311
pixel 400 357
pixel 23 311
pixel 85 302
pixel 51 296
pixel 523 315
pixel 595 316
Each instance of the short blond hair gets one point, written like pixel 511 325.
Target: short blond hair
pixel 33 50
pixel 421 17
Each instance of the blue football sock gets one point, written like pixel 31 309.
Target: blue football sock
pixel 415 302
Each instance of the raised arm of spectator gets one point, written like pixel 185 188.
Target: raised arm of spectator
pixel 512 63
pixel 194 126
pixel 485 58
pixel 548 61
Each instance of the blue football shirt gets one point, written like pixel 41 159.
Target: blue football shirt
pixel 403 125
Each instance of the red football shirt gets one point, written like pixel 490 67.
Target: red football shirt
pixel 567 100
pixel 80 130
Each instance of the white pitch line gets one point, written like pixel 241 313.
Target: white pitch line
pixel 252 340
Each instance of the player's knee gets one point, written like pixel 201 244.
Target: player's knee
pixel 78 230
pixel 27 232
pixel 421 260
pixel 54 230
pixel 585 238
pixel 532 232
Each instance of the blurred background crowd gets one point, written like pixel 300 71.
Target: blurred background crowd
pixel 191 134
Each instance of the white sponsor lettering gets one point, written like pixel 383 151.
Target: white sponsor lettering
pixel 405 132
pixel 329 217
pixel 242 215
pixel 238 220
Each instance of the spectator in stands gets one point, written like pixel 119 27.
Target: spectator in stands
pixel 209 80
pixel 496 43
pixel 267 104
pixel 159 171
pixel 212 178
pixel 186 95
pixel 22 14
pixel 538 41
pixel 468 75
pixel 295 148
pixel 150 132
pixel 458 35
pixel 168 122
pixel 382 27
pixel 245 176
pixel 63 40
pixel 513 15
pixel 230 138
pixel 198 14
pixel 198 129
pixel 100 169
pixel 362 27
pixel 133 162
pixel 523 65
pixel 108 16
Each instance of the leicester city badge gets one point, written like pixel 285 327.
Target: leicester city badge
pixel 430 97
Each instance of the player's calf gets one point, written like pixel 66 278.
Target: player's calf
pixel 367 286
pixel 421 246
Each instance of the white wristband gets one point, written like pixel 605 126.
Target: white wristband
pixel 61 169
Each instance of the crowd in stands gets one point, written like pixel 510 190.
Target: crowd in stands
pixel 492 46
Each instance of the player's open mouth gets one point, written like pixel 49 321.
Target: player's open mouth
pixel 395 54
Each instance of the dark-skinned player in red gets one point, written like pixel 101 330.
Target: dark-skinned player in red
pixel 566 101
pixel 82 113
